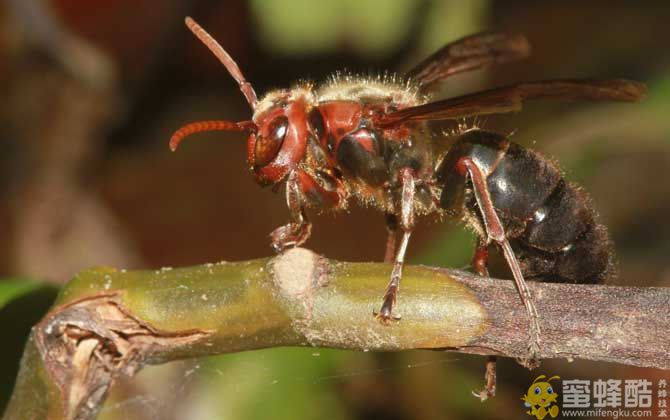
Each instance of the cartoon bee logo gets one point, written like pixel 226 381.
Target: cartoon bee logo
pixel 541 398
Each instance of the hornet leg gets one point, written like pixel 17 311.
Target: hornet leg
pixel 406 223
pixel 392 229
pixel 496 232
pixel 480 264
pixel 297 231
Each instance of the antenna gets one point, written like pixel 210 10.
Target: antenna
pixel 225 59
pixel 200 126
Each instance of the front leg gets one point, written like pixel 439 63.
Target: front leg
pixel 405 225
pixel 303 189
pixel 298 230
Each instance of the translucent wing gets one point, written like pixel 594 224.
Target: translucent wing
pixel 476 51
pixel 511 98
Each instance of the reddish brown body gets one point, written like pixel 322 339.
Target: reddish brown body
pixel 367 138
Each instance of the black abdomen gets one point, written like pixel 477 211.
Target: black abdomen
pixel 549 222
pixel 568 245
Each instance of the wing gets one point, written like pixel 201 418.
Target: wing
pixel 511 98
pixel 469 53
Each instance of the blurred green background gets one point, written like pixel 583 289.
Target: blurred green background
pixel 91 92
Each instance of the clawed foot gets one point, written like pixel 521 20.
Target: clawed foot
pixel 532 358
pixel 385 314
pixel 386 317
pixel 290 235
pixel 489 380
pixel 484 394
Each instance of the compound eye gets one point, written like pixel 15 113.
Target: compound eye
pixel 269 142
pixel 538 391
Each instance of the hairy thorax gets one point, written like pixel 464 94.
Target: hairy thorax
pixel 366 157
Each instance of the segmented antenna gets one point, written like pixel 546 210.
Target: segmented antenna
pixel 225 59
pixel 200 126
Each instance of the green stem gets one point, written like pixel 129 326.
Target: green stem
pixel 108 323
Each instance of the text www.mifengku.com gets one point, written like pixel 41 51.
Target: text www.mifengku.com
pixel 620 413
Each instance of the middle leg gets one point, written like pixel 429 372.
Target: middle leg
pixel 405 225
pixel 392 234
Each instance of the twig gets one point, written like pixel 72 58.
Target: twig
pixel 107 324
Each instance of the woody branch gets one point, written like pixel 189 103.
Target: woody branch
pixel 108 324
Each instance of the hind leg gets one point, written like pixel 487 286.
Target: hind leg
pixel 496 233
pixel 480 261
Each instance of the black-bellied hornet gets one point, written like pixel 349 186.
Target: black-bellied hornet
pixel 367 138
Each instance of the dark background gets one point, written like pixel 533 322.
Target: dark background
pixel 91 92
